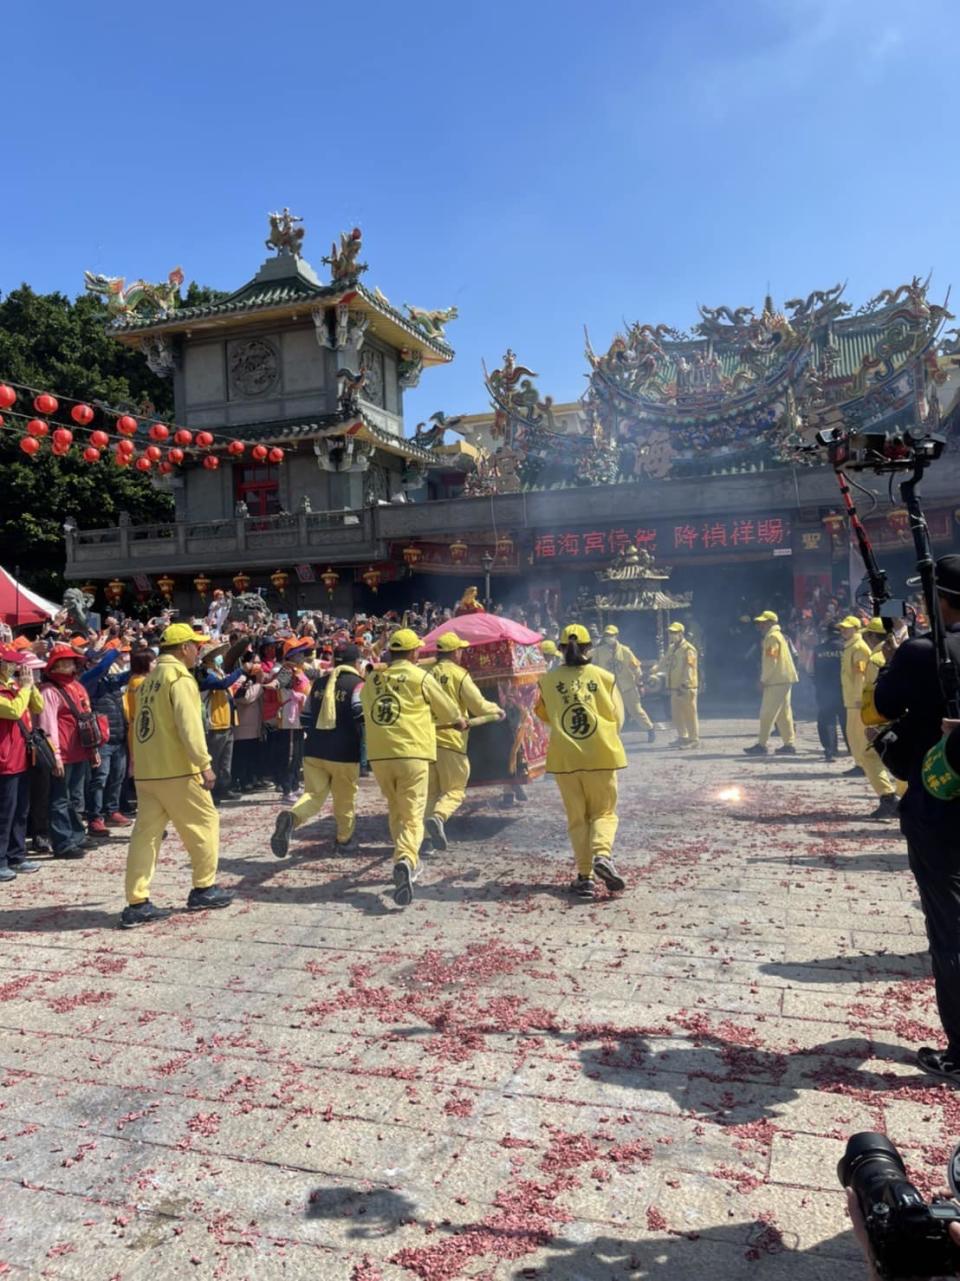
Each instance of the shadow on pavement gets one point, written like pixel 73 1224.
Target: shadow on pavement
pixel 852 969
pixel 792 820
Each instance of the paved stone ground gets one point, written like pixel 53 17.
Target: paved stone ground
pixel 496 1083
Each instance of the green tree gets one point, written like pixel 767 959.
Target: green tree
pixel 51 343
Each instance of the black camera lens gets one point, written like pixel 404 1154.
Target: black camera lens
pixel 865 1147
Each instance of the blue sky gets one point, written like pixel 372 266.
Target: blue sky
pixel 543 166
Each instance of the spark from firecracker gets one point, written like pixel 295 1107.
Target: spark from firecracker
pixel 733 794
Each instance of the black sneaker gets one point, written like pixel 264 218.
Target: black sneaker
pixel 206 900
pixel 41 845
pixel 436 832
pixel 346 847
pixel 230 796
pixel 604 868
pixel 854 772
pixel 280 840
pixel 403 879
pixel 788 749
pixel 758 749
pixel 939 1063
pixel 135 914
pixel 888 807
pixel 74 851
pixel 584 888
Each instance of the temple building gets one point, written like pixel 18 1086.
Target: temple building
pixel 694 446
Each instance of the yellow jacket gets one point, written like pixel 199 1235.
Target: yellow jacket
pixel 621 661
pixel 401 705
pixel 169 741
pixel 459 684
pixel 27 698
pixel 776 665
pixel 584 710
pixel 680 666
pixel 853 670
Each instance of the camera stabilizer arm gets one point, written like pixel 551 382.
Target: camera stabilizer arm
pixel 946 669
pixel 879 589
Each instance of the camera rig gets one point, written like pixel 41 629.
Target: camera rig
pixel 888 453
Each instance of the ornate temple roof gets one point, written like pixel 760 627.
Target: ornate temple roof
pixel 282 287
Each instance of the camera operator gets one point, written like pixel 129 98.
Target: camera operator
pixel 909 687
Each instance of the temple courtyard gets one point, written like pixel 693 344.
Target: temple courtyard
pixel 497 1082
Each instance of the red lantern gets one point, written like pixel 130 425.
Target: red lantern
pixel 204 439
pixel 258 452
pixel 91 455
pixel 8 396
pixel 121 458
pixel 81 415
pixel 99 439
pixel 236 447
pixel 165 468
pixel 372 578
pixel 63 437
pixel 159 432
pixel 60 450
pixel 276 455
pixel 412 555
pixel 175 455
pixel 37 427
pixel 125 447
pixel 330 578
pixel 211 462
pixel 458 551
pixel 153 453
pixel 45 403
pixel 29 445
pixel 183 437
pixel 126 425
pixel 143 463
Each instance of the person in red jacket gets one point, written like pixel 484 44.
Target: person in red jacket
pixel 63 699
pixel 19 697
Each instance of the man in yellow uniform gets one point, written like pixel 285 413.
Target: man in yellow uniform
pixel 680 666
pixel 402 704
pixel 450 773
pixel 621 661
pixel 855 671
pixel 581 704
pixel 174 780
pixel 778 675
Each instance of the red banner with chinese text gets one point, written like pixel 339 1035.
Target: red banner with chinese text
pixel 667 540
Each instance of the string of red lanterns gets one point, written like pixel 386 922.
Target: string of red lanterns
pixel 124 454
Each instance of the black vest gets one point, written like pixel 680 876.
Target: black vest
pixel 342 743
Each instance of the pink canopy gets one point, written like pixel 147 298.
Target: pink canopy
pixel 483 629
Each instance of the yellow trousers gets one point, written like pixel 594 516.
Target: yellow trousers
pixel 404 785
pixel 683 713
pixel 186 805
pixel 776 709
pixel 325 778
pixel 448 783
pixel 868 760
pixel 633 707
pixel 590 799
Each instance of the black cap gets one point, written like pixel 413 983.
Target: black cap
pixel 948 576
pixel 346 653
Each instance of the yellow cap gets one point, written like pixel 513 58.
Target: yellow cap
pixel 549 648
pixel 610 630
pixel 577 632
pixel 179 634
pixel 676 627
pixel 768 616
pixel 451 641
pixel 876 627
pixel 850 621
pixel 404 640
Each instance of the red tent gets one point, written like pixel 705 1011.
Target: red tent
pixel 19 606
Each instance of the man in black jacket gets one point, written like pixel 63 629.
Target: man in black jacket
pixel 333 719
pixel 826 681
pixel 909 686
